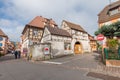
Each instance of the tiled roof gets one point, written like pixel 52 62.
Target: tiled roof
pixel 57 31
pixel 91 38
pixel 74 26
pixel 2 33
pixel 103 15
pixel 37 22
pixel 40 21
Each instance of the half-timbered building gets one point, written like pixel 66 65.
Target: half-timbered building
pixel 80 41
pixel 32 33
pixel 3 42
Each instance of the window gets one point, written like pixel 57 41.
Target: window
pixel 0 44
pixel 114 10
pixel 67 46
pixel 35 32
pixel 1 38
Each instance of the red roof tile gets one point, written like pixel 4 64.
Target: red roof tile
pixel 40 22
pixel 37 22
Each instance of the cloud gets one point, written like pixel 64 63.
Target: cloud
pixel 11 28
pixel 16 13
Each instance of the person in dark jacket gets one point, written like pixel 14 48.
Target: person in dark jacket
pixel 16 54
pixel 19 54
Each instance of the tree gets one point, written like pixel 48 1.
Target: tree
pixel 109 31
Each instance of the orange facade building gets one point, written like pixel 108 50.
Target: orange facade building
pixel 3 42
pixel 110 14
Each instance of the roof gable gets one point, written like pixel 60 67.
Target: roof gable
pixel 74 26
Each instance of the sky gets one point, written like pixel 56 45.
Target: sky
pixel 15 14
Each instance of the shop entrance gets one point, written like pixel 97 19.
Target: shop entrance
pixel 77 48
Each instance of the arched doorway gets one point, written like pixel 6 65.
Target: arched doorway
pixel 77 48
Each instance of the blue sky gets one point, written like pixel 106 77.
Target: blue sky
pixel 15 14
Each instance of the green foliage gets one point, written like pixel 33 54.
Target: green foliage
pixel 112 43
pixel 109 30
pixel 96 33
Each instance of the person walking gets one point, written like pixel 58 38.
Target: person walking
pixel 19 54
pixel 16 54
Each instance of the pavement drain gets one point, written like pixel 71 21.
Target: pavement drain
pixel 102 76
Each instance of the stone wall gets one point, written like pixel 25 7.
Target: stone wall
pixel 57 49
pixel 113 63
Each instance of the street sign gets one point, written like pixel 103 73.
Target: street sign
pixel 46 50
pixel 100 37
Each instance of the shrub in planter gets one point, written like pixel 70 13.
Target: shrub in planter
pixel 112 44
pixel 113 51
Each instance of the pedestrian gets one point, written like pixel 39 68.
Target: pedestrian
pixel 19 54
pixel 16 54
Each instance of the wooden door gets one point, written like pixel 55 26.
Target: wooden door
pixel 77 49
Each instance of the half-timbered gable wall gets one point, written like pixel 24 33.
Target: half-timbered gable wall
pixel 60 45
pixel 35 34
pixel 78 35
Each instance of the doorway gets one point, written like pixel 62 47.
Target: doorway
pixel 77 48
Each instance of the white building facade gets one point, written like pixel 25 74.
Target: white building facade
pixel 80 41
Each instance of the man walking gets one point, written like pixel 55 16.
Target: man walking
pixel 16 54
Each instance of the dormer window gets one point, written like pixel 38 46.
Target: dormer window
pixel 114 10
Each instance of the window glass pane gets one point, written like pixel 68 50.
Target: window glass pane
pixel 1 38
pixel 0 44
pixel 67 46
